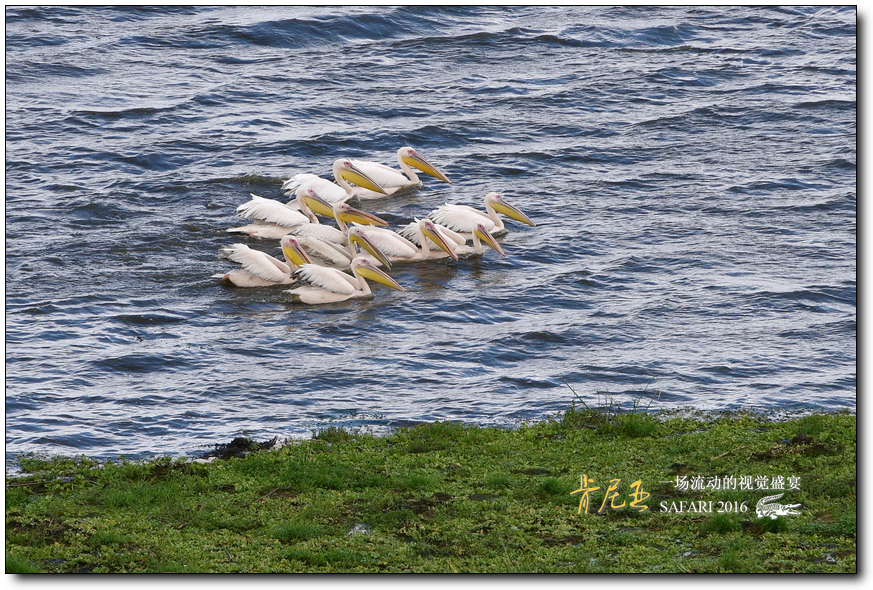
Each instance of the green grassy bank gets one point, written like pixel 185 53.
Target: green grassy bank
pixel 448 498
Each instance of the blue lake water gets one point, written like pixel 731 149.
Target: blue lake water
pixel 691 171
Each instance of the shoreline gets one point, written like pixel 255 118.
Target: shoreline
pixel 444 497
pixel 688 412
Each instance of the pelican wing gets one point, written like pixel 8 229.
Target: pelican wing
pixel 319 231
pixel 259 229
pixel 373 165
pixel 390 243
pixel 411 233
pixel 460 218
pixel 270 211
pixel 329 252
pixel 327 190
pixel 256 262
pixel 328 279
pixel 296 181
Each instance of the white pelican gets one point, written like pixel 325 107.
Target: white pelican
pixel 329 285
pixel 273 219
pixel 326 253
pixel 340 212
pixel 358 237
pixel 399 248
pixel 392 180
pixel 338 257
pixel 454 240
pixel 326 243
pixel 462 218
pixel 344 171
pixel 259 269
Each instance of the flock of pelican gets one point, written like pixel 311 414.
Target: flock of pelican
pixel 326 264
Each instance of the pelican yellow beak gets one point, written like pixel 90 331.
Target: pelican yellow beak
pixel 357 176
pixel 417 161
pixel 487 238
pixel 360 238
pixel 317 204
pixel 437 238
pixel 349 214
pixel 294 252
pixel 373 273
pixel 515 213
pixel 451 235
pixel 345 211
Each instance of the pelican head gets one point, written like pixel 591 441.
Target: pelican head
pixel 293 251
pixel 359 236
pixel 413 158
pixel 505 208
pixel 339 211
pixel 429 229
pixel 311 199
pixel 347 170
pixel 366 269
pixel 486 237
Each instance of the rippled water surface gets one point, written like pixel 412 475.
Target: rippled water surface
pixel 691 172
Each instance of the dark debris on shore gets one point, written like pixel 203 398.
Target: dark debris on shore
pixel 240 447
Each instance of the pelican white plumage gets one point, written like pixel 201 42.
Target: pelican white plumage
pixel 392 180
pixel 273 219
pixel 463 218
pixel 344 172
pixel 455 241
pixel 326 253
pixel 328 246
pixel 391 243
pixel 329 285
pixel 336 256
pixel 320 231
pixel 259 269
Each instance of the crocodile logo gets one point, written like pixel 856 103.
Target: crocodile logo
pixel 766 507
